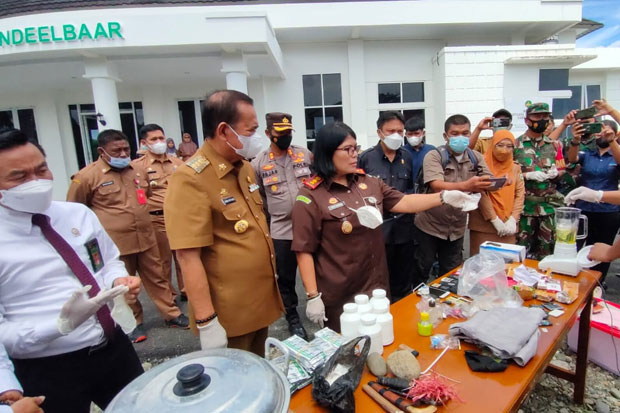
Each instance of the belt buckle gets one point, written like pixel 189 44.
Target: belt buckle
pixel 100 346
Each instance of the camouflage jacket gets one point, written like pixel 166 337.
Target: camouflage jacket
pixel 540 197
pixel 570 180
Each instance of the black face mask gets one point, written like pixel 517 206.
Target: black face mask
pixel 538 126
pixel 602 143
pixel 282 141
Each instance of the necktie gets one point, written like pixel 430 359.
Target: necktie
pixel 77 266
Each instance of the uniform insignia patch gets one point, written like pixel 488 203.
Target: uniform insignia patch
pixel 313 182
pixel 268 167
pixel 360 171
pixel 198 164
pixel 303 199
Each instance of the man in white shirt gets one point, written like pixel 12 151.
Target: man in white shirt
pixel 64 343
pixel 11 396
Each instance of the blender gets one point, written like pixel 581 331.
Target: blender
pixel 564 258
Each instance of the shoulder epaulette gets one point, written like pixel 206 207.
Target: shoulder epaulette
pixel 313 182
pixel 360 171
pixel 198 163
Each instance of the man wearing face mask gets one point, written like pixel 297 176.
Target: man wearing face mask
pixel 416 144
pixel 216 224
pixel 390 162
pixel 159 166
pixel 117 192
pixel 59 270
pixel 440 231
pixel 542 164
pixel 280 171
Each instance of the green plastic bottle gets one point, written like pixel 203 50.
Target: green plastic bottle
pixel 425 327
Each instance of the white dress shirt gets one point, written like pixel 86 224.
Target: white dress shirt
pixel 35 281
pixel 8 381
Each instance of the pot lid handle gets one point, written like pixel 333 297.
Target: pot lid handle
pixel 191 380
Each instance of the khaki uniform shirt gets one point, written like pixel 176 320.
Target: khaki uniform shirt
pixel 445 221
pixel 157 175
pixel 114 196
pixel 279 180
pixel 216 206
pixel 483 144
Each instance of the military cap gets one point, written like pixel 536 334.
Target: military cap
pixel 538 107
pixel 279 121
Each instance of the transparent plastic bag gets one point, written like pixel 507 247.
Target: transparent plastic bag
pixel 483 279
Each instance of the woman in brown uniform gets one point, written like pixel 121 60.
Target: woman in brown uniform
pixel 339 256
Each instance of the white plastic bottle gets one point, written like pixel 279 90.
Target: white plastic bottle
pixel 363 305
pixel 370 328
pixel 349 321
pixel 379 294
pixel 385 321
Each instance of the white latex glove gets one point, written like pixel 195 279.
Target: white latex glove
pixel 212 335
pixel 584 194
pixel 315 310
pixel 539 176
pixel 499 226
pixel 552 173
pixel 510 226
pixel 461 200
pixel 80 308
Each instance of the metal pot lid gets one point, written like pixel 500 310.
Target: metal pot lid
pixel 218 380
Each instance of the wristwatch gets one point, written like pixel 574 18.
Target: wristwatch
pixel 573 143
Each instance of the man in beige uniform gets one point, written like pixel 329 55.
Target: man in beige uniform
pixel 117 193
pixel 215 222
pixel 159 166
pixel 280 172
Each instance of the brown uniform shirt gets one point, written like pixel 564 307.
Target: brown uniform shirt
pixel 113 196
pixel 216 206
pixel 345 264
pixel 445 221
pixel 279 179
pixel 158 173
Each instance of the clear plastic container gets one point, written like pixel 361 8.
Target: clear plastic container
pixel 349 321
pixel 435 312
pixel 123 315
pixel 379 295
pixel 363 304
pixel 385 321
pixel 369 327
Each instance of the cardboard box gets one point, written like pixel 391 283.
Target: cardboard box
pixel 604 344
pixel 509 252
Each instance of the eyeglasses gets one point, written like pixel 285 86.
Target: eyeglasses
pixel 502 146
pixel 351 150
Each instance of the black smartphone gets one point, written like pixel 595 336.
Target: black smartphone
pixel 586 113
pixel 592 128
pixel 500 123
pixel 496 183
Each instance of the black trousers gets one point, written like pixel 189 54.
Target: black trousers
pixel 602 227
pixel 286 267
pixel 71 381
pixel 400 268
pixel 429 249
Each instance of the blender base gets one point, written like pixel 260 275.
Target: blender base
pixel 561 265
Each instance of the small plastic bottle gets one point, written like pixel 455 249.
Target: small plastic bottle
pixel 385 321
pixel 379 294
pixel 425 328
pixel 435 313
pixel 363 306
pixel 123 315
pixel 349 321
pixel 370 328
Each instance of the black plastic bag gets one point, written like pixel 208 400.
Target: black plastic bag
pixel 338 396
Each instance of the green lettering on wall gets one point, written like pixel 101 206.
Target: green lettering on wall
pixel 43 34
pixel 68 31
pixel 84 32
pixel 5 38
pixel 114 28
pixel 17 36
pixel 54 37
pixel 100 31
pixel 30 35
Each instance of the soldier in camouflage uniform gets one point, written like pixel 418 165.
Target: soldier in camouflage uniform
pixel 570 180
pixel 542 163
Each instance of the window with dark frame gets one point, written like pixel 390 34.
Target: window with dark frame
pixel 322 102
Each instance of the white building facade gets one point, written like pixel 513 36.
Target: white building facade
pixel 68 73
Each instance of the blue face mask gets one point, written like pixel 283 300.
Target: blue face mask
pixel 458 143
pixel 118 163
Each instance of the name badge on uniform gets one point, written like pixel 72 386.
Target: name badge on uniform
pixel 141 196
pixel 335 206
pixel 253 187
pixel 228 200
pixel 107 183
pixel 94 253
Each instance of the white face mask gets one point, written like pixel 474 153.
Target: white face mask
pixel 414 140
pixel 33 196
pixel 252 145
pixel 393 141
pixel 369 216
pixel 158 148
